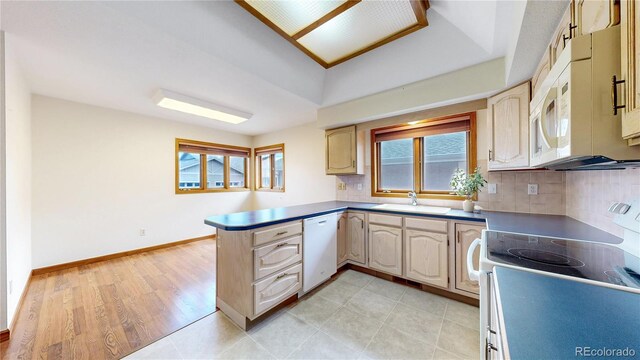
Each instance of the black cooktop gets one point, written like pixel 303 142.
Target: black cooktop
pixel 582 259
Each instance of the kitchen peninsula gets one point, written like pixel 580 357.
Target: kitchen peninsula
pixel 260 253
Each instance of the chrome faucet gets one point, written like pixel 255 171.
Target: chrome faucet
pixel 414 200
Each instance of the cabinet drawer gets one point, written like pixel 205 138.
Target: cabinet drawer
pixel 271 291
pixel 276 233
pixel 385 220
pixel 277 256
pixel 426 224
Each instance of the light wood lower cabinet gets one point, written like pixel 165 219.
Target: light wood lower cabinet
pixel 426 257
pixel 343 252
pixel 257 269
pixel 385 249
pixel 277 256
pixel 276 288
pixel 465 234
pixel 356 238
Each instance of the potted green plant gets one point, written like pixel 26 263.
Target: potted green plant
pixel 467 186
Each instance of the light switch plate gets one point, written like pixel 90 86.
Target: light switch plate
pixel 359 186
pixel 493 188
pixel 532 189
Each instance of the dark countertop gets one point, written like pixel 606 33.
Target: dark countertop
pixel 547 318
pixel 531 224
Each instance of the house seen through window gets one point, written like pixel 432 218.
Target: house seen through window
pixel 270 167
pixel 422 157
pixel 208 167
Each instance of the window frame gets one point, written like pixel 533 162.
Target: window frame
pixel 418 157
pixel 270 150
pixel 203 167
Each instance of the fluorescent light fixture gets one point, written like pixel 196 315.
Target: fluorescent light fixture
pixel 186 104
pixel 413 122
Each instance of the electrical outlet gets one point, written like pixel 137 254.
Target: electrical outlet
pixel 493 188
pixel 532 189
pixel 143 232
pixel 342 186
pixel 359 186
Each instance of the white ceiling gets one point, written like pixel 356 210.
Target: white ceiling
pixel 117 54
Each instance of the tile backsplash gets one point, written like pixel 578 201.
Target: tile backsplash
pixel 590 193
pixel 511 192
pixel 583 195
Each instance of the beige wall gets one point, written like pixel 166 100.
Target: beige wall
pixel 18 178
pixel 450 88
pixel 305 178
pixel 511 186
pixel 590 193
pixel 101 175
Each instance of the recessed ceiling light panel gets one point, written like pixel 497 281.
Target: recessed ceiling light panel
pixel 293 16
pixel 186 104
pixel 334 31
pixel 359 27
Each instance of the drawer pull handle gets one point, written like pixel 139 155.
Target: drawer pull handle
pixel 280 233
pixel 614 94
pixel 281 276
pixel 281 245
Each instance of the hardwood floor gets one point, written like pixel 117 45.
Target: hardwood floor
pixel 109 309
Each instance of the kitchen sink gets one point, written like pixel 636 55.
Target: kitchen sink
pixel 413 208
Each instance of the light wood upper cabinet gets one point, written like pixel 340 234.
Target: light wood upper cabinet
pixel 385 249
pixel 594 15
pixel 343 252
pixel 564 32
pixel 541 71
pixel 629 91
pixel 426 257
pixel 465 234
pixel 356 238
pixel 344 151
pixel 508 128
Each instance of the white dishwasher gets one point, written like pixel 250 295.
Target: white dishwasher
pixel 319 250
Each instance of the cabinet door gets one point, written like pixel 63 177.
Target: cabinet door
pixel 343 253
pixel 385 249
pixel 561 36
pixel 356 238
pixel 465 234
pixel 541 72
pixel 426 257
pixel 594 15
pixel 630 46
pixel 341 150
pixel 508 127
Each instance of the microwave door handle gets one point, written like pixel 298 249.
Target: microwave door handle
pixel 543 113
pixel 542 131
pixel 473 273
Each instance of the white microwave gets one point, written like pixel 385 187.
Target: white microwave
pixel 571 115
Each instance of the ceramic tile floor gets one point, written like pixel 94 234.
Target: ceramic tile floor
pixel 356 316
